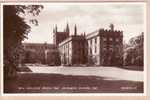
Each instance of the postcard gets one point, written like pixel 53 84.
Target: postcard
pixel 74 48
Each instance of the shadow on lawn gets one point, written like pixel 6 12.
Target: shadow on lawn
pixel 55 83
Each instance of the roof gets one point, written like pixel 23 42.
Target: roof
pixel 92 34
pixel 39 45
pixel 72 37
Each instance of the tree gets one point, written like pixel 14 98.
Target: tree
pixel 15 30
pixel 133 54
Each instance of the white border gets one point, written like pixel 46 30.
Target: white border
pixel 1 41
pixel 79 94
pixel 145 48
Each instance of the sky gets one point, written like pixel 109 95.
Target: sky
pixel 88 17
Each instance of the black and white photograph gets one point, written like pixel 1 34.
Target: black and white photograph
pixel 74 48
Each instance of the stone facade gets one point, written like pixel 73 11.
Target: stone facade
pixel 72 50
pixel 93 44
pixel 105 47
pixel 102 47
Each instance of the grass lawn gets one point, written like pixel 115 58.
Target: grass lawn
pixel 57 83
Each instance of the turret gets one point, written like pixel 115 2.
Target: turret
pixel 67 29
pixel 53 30
pixel 111 27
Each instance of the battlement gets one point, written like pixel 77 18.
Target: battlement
pixel 103 31
pixel 108 30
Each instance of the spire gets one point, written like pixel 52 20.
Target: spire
pixel 53 30
pixel 75 30
pixel 67 28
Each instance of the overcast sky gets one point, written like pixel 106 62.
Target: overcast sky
pixel 88 17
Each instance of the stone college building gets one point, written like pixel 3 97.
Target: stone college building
pixel 103 47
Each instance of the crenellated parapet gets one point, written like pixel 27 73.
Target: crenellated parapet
pixel 109 31
pixel 104 32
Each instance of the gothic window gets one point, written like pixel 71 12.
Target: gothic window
pixel 88 43
pixel 111 49
pixel 91 41
pixel 117 40
pixel 104 49
pixel 95 48
pixel 64 48
pixel 95 40
pixel 90 51
pixel 68 48
pixel 104 39
pixel 110 39
pixel 111 46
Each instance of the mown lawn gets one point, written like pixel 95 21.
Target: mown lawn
pixel 56 83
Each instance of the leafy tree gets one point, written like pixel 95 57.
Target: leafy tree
pixel 133 54
pixel 15 30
